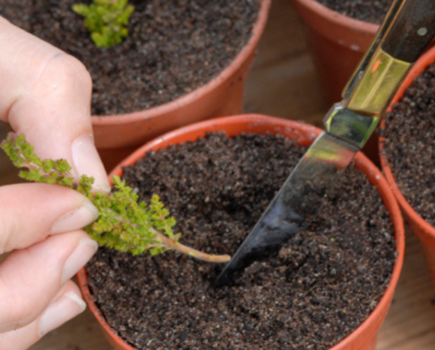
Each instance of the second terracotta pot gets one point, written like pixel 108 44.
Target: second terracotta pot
pixel 365 336
pixel 337 43
pixel 422 229
pixel 117 136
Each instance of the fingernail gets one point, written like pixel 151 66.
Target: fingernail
pixel 75 219
pixel 81 255
pixel 65 308
pixel 87 161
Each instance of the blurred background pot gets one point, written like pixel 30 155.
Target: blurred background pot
pixel 116 136
pixel 422 229
pixel 337 43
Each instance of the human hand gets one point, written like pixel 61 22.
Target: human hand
pixel 45 95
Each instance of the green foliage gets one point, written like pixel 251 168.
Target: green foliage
pixel 107 20
pixel 124 223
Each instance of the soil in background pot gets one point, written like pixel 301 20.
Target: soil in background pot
pixel 372 11
pixel 410 144
pixel 173 47
pixel 310 295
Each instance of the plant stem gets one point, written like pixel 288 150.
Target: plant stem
pixel 173 244
pixel 190 251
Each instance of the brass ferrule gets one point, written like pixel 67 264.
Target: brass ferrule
pixel 350 126
pixel 378 85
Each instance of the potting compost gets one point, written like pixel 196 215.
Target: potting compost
pixel 410 144
pixel 372 11
pixel 310 295
pixel 173 47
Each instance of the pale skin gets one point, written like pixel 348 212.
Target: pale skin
pixel 45 95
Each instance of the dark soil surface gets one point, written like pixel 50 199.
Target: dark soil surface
pixel 173 46
pixel 372 11
pixel 410 144
pixel 310 295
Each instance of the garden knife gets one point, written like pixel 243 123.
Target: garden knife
pixel 405 33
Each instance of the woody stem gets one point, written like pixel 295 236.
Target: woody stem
pixel 166 241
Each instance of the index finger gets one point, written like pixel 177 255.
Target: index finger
pixel 46 95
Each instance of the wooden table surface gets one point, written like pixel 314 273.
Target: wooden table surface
pixel 283 83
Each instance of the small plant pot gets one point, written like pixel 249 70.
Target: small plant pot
pixel 337 43
pixel 116 136
pixel 362 338
pixel 422 229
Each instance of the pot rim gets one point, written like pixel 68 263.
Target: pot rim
pixel 422 63
pixel 338 18
pixel 307 132
pixel 257 30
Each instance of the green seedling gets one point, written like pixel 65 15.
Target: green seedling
pixel 107 20
pixel 124 223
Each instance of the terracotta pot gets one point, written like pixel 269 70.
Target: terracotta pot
pixel 424 231
pixel 364 337
pixel 337 43
pixel 117 136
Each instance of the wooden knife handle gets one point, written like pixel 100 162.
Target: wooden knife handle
pixel 412 30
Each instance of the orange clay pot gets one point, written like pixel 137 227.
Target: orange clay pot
pixel 117 136
pixel 364 337
pixel 424 231
pixel 337 44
